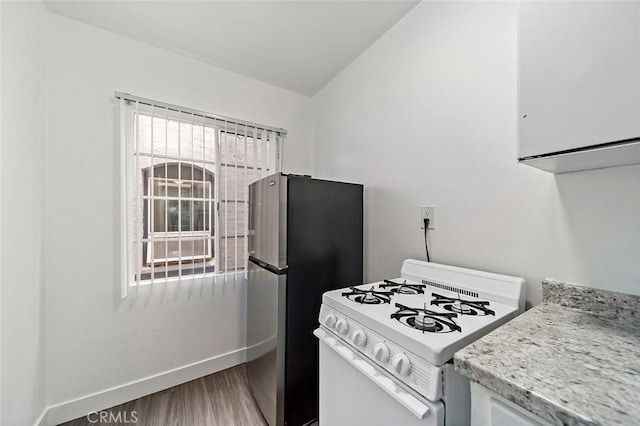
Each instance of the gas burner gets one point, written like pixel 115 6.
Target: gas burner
pixel 463 307
pixel 426 320
pixel 404 288
pixel 423 322
pixel 368 297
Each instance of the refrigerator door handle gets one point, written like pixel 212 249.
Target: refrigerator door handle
pixel 271 268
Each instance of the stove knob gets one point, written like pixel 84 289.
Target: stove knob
pixel 342 326
pixel 401 364
pixel 381 352
pixel 359 338
pixel 330 320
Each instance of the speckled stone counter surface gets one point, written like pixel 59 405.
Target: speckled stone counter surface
pixel 567 365
pixel 617 307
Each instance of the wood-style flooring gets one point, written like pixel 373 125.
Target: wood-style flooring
pixel 221 399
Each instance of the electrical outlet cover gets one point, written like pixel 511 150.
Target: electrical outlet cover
pixel 428 212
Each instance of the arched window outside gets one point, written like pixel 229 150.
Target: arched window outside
pixel 179 219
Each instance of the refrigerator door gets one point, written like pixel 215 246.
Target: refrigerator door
pixel 266 295
pixel 266 310
pixel 268 220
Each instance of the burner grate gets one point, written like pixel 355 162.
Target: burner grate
pixel 425 320
pixel 403 288
pixel 368 297
pixel 461 306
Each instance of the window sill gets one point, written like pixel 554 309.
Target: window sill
pixel 208 278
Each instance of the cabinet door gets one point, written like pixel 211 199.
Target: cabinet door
pixel 579 75
pixel 502 415
pixel 490 409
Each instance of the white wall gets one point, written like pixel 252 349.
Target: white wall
pixel 95 341
pixel 22 166
pixel 427 115
pixel 596 229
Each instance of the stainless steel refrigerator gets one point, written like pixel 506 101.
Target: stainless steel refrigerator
pixel 305 238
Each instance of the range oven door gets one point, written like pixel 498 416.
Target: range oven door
pixel 354 391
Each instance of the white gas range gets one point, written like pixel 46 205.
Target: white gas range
pixel 386 347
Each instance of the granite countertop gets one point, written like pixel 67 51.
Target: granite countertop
pixel 574 359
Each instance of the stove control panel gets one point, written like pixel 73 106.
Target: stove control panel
pixel 413 371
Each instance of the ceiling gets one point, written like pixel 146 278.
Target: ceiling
pixel 296 45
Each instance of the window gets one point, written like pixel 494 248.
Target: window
pixel 185 190
pixel 181 223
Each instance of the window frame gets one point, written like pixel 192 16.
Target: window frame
pixel 132 236
pixel 181 235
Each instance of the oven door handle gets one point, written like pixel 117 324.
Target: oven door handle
pixel 390 386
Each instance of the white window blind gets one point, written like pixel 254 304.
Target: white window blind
pixel 185 177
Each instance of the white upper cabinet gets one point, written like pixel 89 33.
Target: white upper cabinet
pixel 579 84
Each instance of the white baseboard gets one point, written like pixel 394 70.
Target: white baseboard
pixel 80 407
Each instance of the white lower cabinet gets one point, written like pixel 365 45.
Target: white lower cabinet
pixel 490 409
